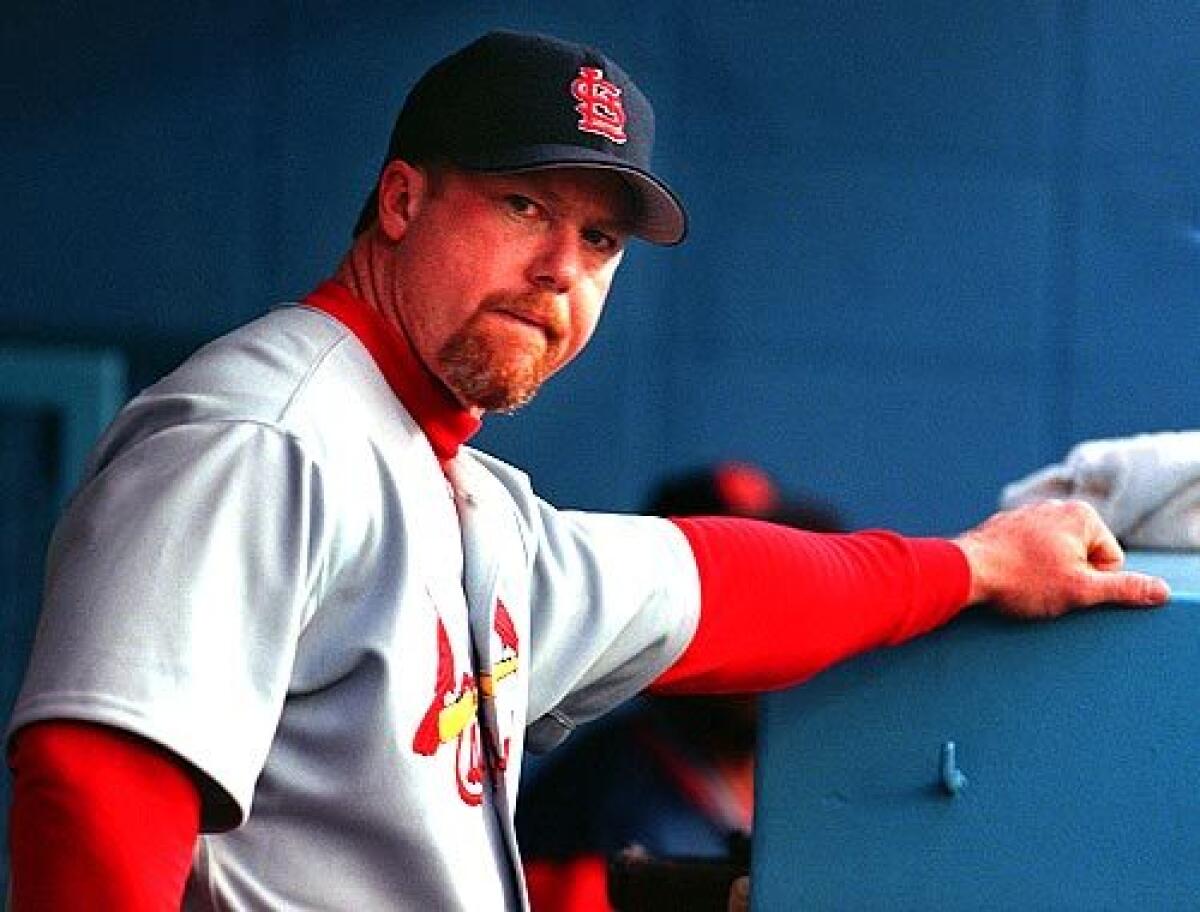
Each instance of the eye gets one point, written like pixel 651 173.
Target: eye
pixel 520 205
pixel 601 241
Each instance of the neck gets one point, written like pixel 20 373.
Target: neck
pixel 443 419
pixel 368 272
pixel 362 271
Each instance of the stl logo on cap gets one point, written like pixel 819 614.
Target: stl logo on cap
pixel 600 108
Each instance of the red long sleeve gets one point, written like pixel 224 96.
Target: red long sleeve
pixel 100 820
pixel 778 605
pixel 575 885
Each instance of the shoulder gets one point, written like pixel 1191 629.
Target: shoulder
pixel 259 370
pixel 294 371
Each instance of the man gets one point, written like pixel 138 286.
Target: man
pixel 289 610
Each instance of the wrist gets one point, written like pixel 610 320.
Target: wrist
pixel 975 553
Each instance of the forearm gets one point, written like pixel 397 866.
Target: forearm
pixel 100 820
pixel 779 605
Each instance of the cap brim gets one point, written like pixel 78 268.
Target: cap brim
pixel 660 218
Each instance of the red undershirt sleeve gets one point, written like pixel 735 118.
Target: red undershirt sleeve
pixel 778 605
pixel 100 819
pixel 575 885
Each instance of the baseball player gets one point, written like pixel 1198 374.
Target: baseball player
pixel 297 635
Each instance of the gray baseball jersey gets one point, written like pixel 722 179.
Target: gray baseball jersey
pixel 268 572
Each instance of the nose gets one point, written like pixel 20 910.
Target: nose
pixel 556 262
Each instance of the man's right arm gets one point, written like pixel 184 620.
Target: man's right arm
pixel 100 819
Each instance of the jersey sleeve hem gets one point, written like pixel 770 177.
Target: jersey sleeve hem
pixel 225 797
pixel 662 630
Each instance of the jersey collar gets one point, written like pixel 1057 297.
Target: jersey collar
pixel 445 422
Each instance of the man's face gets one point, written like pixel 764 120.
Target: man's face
pixel 499 280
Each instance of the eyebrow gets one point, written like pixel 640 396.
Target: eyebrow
pixel 623 225
pixel 620 223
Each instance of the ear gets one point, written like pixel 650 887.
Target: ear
pixel 402 189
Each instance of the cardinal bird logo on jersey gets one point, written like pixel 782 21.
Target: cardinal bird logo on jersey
pixel 509 662
pixel 510 648
pixel 453 713
pixel 452 717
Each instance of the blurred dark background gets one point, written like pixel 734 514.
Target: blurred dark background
pixel 933 243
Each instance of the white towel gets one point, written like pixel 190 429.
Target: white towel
pixel 1146 487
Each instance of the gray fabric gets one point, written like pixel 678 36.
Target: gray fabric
pixel 1146 487
pixel 268 573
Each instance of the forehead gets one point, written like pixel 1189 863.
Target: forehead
pixel 592 194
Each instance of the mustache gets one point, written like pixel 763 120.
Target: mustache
pixel 543 309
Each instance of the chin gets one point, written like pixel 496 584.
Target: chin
pixel 506 401
pixel 505 390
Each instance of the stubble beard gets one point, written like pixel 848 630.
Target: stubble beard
pixel 494 373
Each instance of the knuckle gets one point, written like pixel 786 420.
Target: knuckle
pixel 1117 587
pixel 1137 588
pixel 1077 584
pixel 1134 590
pixel 1080 509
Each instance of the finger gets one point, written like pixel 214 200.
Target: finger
pixel 1103 550
pixel 1128 588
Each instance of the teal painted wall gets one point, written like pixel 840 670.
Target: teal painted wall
pixel 933 243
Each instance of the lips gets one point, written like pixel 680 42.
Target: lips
pixel 534 320
pixel 538 313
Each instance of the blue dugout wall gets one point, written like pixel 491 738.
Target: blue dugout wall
pixel 933 243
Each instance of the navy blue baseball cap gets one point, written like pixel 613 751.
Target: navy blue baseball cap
pixel 512 101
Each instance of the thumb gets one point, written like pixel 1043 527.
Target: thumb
pixel 1126 587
